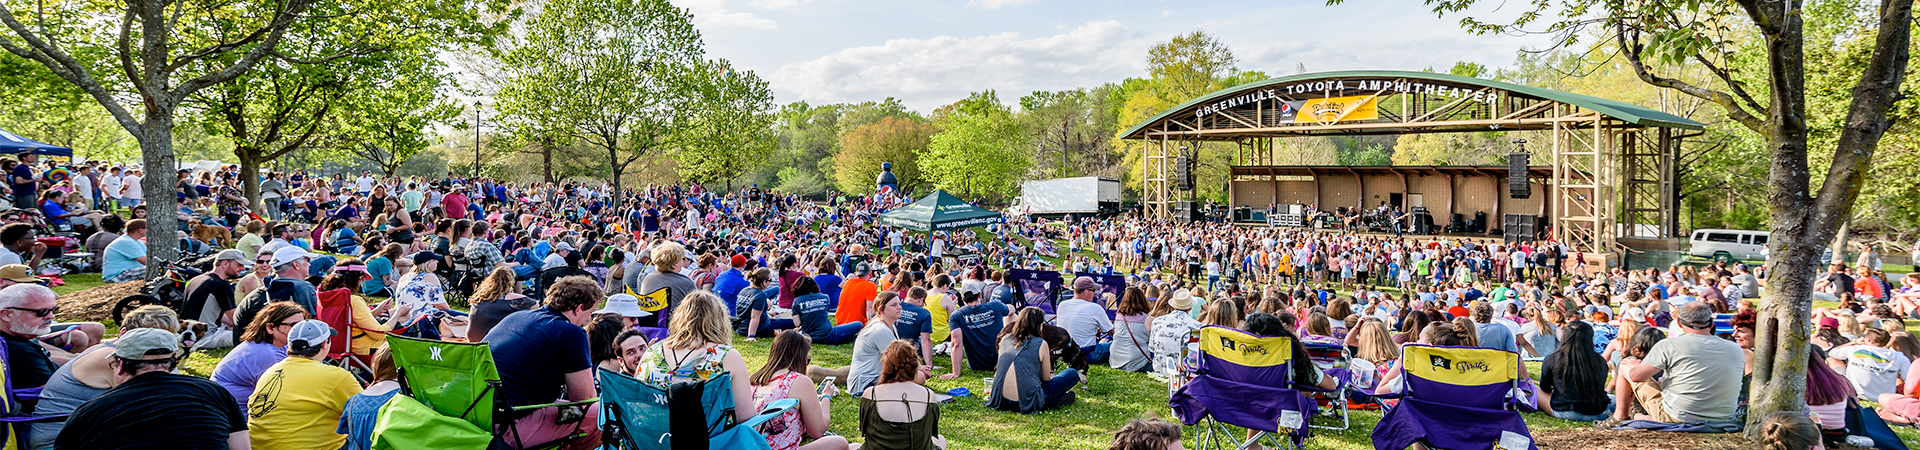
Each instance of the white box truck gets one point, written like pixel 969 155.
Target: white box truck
pixel 1083 196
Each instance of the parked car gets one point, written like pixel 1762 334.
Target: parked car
pixel 1729 245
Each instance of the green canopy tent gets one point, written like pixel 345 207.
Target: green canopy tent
pixel 939 211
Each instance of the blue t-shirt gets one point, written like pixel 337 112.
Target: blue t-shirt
pixel 357 421
pixel 728 286
pixel 377 270
pixel 53 212
pixel 120 257
pixel 815 312
pixel 979 326
pixel 913 321
pixel 535 350
pixel 751 300
pixel 650 220
pixel 1493 335
pixel 830 285
pixel 23 189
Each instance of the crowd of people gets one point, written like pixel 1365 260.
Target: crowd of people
pixel 553 277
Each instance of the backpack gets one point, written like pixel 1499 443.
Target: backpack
pixel 253 302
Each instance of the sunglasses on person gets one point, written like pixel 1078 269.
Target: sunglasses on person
pixel 37 312
pixel 285 324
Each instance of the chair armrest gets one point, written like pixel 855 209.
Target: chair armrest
pixel 33 419
pixel 774 409
pixel 550 405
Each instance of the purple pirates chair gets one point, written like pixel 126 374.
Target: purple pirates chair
pixel 1244 380
pixel 1456 398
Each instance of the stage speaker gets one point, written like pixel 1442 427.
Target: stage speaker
pixel 1517 185
pixel 1520 227
pixel 1479 222
pixel 1422 223
pixel 1187 212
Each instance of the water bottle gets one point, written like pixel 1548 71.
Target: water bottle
pixel 1860 441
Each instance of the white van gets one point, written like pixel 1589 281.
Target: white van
pixel 1729 244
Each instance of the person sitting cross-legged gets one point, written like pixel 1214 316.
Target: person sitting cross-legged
pixel 1702 374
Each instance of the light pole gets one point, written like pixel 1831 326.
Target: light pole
pixel 476 139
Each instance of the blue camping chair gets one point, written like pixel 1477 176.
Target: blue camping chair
pixel 14 424
pixel 688 415
pixel 1244 380
pixel 1456 398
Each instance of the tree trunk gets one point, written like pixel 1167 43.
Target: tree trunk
pixel 156 156
pixel 250 178
pixel 546 159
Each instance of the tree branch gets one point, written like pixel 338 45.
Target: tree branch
pixel 1867 119
pixel 1632 50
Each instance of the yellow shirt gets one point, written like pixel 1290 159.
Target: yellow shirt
pixel 368 334
pixel 938 308
pixel 297 405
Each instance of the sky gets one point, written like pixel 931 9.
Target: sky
pixel 930 53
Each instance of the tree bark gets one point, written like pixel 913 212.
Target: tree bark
pixel 156 156
pixel 250 182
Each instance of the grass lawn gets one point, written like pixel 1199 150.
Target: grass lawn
pixel 1113 399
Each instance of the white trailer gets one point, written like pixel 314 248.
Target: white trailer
pixel 1083 196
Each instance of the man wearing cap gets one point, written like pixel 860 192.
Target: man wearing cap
pixel 126 257
pixel 151 407
pixel 298 401
pixel 558 258
pixel 1700 374
pixel 854 296
pixel 210 295
pixel 730 282
pixel 283 236
pixel 1085 321
pixel 455 202
pixel 288 284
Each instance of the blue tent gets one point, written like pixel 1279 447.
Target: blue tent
pixel 13 144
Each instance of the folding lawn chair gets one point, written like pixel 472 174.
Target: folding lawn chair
pixel 1456 398
pixel 336 310
pixel 687 416
pixel 1244 380
pixel 13 435
pixel 458 379
pixel 1332 359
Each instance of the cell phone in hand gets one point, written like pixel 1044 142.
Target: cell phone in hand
pixel 826 388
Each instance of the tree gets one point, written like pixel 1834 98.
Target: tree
pixel 390 126
pixel 896 140
pixel 732 127
pixel 1065 126
pixel 1770 101
pixel 105 62
pixel 975 155
pixel 619 75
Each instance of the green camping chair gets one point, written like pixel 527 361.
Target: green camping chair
pixel 456 380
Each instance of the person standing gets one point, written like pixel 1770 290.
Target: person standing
pixel 271 190
pixel 131 192
pixel 110 189
pixel 25 182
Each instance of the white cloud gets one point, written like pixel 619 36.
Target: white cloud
pixel 777 4
pixel 927 73
pixel 708 14
pixel 996 4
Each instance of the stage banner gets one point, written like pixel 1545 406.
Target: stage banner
pixel 1341 109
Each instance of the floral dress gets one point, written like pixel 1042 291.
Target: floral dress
pixel 783 432
pixel 659 369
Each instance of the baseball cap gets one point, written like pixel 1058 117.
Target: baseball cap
pixel 308 334
pixel 235 256
pixel 624 304
pixel 146 343
pixel 1085 284
pixel 1825 322
pixel 289 254
pixel 563 245
pixel 425 256
pixel 739 261
pixel 20 273
pixel 862 269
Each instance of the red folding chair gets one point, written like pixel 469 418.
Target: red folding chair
pixel 336 309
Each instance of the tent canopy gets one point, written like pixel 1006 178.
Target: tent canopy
pixel 13 144
pixel 939 211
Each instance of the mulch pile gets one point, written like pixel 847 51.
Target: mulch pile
pixel 1590 438
pixel 95 304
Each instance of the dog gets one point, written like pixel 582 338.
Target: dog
pixel 219 237
pixel 196 335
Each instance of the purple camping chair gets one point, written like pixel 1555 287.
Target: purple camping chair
pixel 1456 398
pixel 1244 380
